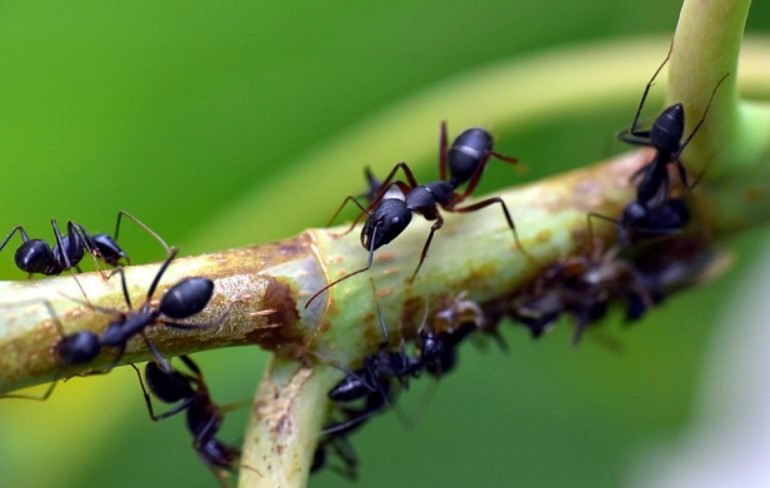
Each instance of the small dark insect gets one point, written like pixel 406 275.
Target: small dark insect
pixel 36 255
pixel 80 347
pixel 665 136
pixel 373 381
pixel 388 217
pixel 204 417
pixel 584 288
pixel 183 300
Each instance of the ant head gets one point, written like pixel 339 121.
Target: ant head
pixel 35 256
pixel 169 386
pixel 79 348
pixel 386 223
pixel 668 129
pixel 187 298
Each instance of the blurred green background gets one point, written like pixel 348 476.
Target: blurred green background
pixel 181 112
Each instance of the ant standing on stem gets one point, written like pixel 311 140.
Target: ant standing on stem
pixel 183 300
pixel 36 255
pixel 654 213
pixel 465 161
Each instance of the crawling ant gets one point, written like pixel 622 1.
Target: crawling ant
pixel 654 213
pixel 388 217
pixel 204 417
pixel 665 136
pixel 372 382
pixel 186 298
pixel 78 348
pixel 37 256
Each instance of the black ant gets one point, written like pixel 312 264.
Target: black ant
pixel 372 382
pixel 654 213
pixel 665 136
pixel 204 417
pixel 468 154
pixel 36 255
pixel 78 348
pixel 186 298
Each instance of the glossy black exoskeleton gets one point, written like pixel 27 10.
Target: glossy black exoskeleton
pixel 467 156
pixel 204 417
pixel 37 256
pixel 80 347
pixel 388 216
pixel 183 300
pixel 373 381
pixel 665 136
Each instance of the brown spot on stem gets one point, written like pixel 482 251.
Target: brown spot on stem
pixel 283 329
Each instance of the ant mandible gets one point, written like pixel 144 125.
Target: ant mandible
pixel 665 136
pixel 204 417
pixel 465 161
pixel 36 255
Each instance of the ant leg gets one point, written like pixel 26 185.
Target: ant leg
pixel 20 229
pixel 148 401
pixel 60 244
pixel 151 291
pixel 85 237
pixel 632 130
pixel 640 138
pixel 142 226
pixel 503 157
pixel 368 265
pixel 433 228
pixel 374 405
pixel 491 201
pixel 591 238
pixel 347 454
pixel 407 172
pixel 364 211
pixel 702 117
pixel 159 359
pixel 119 270
pixel 442 153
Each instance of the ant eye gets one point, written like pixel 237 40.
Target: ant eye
pixel 395 220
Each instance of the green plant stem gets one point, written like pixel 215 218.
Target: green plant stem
pixel 265 288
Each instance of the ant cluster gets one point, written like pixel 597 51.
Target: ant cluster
pixel 653 258
pixel 185 299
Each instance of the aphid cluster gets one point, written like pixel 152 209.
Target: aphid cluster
pixel 654 257
pixel 185 299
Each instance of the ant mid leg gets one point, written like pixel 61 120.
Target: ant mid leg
pixel 491 201
pixel 433 228
pixel 633 135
